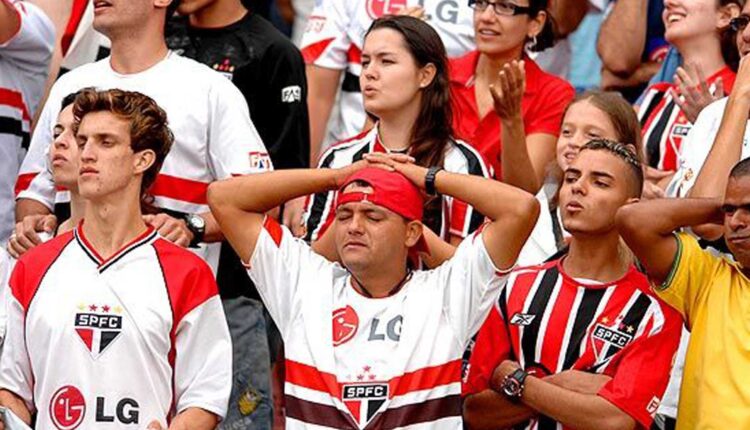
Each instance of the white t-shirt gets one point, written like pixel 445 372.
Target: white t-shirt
pixel 137 337
pixel 352 360
pixel 335 34
pixel 24 60
pixel 542 244
pixel 214 136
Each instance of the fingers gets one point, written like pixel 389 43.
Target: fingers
pixel 153 425
pixel 415 11
pixel 719 89
pixel 698 73
pixel 172 229
pixel 157 221
pixel 388 158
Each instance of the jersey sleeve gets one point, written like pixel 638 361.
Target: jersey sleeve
pixel 34 179
pixel 325 42
pixel 235 148
pixel 5 268
pixel 464 219
pixel 687 285
pixel 319 207
pixel 548 115
pixel 203 360
pixel 31 47
pixel 643 368
pixel 278 267
pixel 471 284
pixel 16 374
pixel 492 347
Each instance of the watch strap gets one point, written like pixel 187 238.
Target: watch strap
pixel 429 180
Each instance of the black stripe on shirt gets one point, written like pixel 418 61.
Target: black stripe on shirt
pixel 653 144
pixel 319 203
pixel 316 414
pixel 474 167
pixel 422 412
pixel 15 127
pixel 584 316
pixel 538 305
pixel 653 103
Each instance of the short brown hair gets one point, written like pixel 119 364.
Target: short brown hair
pixel 148 123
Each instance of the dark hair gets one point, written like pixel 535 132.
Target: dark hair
pixel 433 129
pixel 547 37
pixel 624 153
pixel 148 123
pixel 728 39
pixel 741 169
pixel 620 113
pixel 68 100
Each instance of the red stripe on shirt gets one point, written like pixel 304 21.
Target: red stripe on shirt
pixel 76 14
pixel 24 181
pixel 312 52
pixel 14 99
pixel 426 378
pixel 274 230
pixel 185 190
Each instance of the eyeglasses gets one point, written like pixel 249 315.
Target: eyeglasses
pixel 502 7
pixel 739 23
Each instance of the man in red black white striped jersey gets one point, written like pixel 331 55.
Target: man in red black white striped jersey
pixel 371 343
pixel 577 342
pixel 111 326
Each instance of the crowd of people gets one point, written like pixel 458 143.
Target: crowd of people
pixel 436 214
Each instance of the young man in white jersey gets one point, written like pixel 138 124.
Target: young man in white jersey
pixel 110 325
pixel 371 342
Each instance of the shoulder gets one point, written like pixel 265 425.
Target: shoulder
pixel 546 84
pixel 715 110
pixel 536 268
pixel 461 157
pixel 345 148
pixel 178 260
pixel 461 69
pixel 32 267
pixel 46 253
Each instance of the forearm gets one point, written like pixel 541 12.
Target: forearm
pixel 13 402
pixel 517 169
pixel 492 198
pixel 489 410
pixel 627 18
pixel 661 217
pixel 213 230
pixel 642 74
pixel 573 409
pixel 568 14
pixel 725 152
pixel 26 207
pixel 278 187
pixel 194 419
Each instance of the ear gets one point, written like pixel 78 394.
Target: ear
pixel 536 24
pixel 143 160
pixel 427 75
pixel 632 200
pixel 726 13
pixel 413 233
pixel 163 4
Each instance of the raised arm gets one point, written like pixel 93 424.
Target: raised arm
pixel 10 21
pixel 647 228
pixel 626 23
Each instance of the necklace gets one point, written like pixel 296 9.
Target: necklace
pixel 359 286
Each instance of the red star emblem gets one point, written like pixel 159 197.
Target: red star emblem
pixel 372 377
pixel 360 377
pixel 366 368
pixel 105 308
pixel 92 308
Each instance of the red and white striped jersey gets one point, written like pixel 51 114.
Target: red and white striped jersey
pixel 24 60
pixel 454 218
pixel 115 343
pixel 354 362
pixel 547 320
pixel 214 136
pixel 335 34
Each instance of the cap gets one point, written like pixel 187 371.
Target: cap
pixel 390 190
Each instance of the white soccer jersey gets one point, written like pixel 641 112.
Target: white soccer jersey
pixel 456 217
pixel 214 136
pixel 696 146
pixel 24 60
pixel 116 343
pixel 354 362
pixel 335 34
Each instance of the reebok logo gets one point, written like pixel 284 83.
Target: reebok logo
pixel 522 319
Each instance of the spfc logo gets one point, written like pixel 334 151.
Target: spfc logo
pixel 98 327
pixel 378 8
pixel 364 400
pixel 609 340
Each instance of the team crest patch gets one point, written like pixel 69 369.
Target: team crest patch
pixel 260 160
pixel 378 8
pixel 345 324
pixel 608 340
pixel 98 326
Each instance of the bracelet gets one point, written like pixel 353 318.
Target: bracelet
pixel 429 180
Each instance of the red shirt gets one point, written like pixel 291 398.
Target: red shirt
pixel 663 123
pixel 550 322
pixel 543 104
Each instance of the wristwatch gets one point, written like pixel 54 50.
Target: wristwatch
pixel 197 225
pixel 513 384
pixel 429 180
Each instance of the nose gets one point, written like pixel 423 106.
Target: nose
pixel 745 34
pixel 369 72
pixel 356 224
pixel 739 220
pixel 578 187
pixel 670 3
pixel 61 142
pixel 87 152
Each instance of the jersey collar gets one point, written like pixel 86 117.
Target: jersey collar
pixel 103 263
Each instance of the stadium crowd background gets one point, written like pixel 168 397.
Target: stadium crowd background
pixel 517 88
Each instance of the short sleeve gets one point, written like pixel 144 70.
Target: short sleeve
pixel 491 348
pixel 550 107
pixel 325 42
pixel 471 284
pixel 694 269
pixel 235 148
pixel 278 267
pixel 30 49
pixel 642 369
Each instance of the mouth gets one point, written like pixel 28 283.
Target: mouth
pixel 369 90
pixel 739 240
pixel 354 245
pixel 574 207
pixel 57 160
pixel 674 17
pixel 486 33
pixel 100 5
pixel 84 171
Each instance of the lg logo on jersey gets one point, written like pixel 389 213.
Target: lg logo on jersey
pixel 446 10
pixel 67 409
pixel 392 329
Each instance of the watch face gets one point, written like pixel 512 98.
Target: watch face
pixel 197 221
pixel 511 387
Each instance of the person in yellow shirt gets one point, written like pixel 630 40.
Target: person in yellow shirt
pixel 712 293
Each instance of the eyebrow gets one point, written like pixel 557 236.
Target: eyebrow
pixel 603 174
pixel 379 54
pixel 100 136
